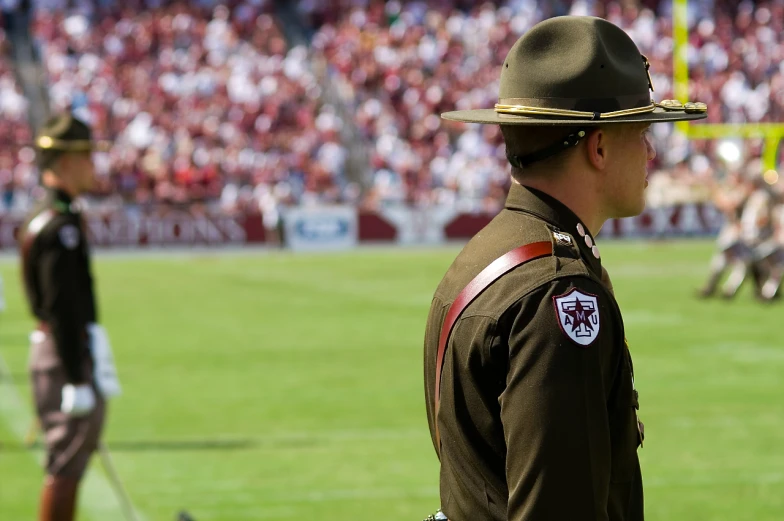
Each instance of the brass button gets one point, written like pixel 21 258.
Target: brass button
pixel 695 107
pixel 671 104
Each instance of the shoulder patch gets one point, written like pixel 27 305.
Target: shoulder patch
pixel 578 316
pixel 69 236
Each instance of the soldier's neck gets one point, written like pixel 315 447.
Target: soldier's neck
pixel 55 182
pixel 575 196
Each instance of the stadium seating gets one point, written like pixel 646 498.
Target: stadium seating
pixel 206 104
pixel 17 170
pixel 402 64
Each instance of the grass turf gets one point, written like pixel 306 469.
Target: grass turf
pixel 280 386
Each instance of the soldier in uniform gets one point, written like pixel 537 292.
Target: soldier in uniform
pixel 59 286
pixel 528 379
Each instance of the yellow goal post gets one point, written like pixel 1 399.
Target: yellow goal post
pixel 771 133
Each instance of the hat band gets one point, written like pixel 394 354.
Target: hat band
pixel 49 143
pixel 527 110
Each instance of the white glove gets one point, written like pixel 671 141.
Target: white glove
pixel 106 378
pixel 78 400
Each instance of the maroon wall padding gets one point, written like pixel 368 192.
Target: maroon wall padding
pixel 373 227
pixel 466 226
pixel 254 229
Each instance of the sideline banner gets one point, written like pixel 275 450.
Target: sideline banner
pixel 342 227
pixel 320 228
pixel 416 225
pixel 172 228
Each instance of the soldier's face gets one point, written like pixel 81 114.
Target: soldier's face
pixel 631 151
pixel 82 171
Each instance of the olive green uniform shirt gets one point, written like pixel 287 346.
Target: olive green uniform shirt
pixel 538 416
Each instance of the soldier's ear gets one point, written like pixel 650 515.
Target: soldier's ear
pixel 597 147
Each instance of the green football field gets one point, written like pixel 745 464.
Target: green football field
pixel 275 386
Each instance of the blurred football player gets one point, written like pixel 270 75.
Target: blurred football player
pixel 730 198
pixel 756 229
pixel 772 252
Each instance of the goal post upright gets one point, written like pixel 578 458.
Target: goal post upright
pixel 771 133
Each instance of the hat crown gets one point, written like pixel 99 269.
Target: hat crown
pixel 64 133
pixel 65 127
pixel 578 63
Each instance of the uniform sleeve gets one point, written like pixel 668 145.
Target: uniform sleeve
pixel 565 341
pixel 58 261
pixel 435 320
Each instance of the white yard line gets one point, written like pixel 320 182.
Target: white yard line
pixel 97 500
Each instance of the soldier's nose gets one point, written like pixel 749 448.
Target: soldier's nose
pixel 651 149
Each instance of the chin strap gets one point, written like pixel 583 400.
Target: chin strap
pixel 559 146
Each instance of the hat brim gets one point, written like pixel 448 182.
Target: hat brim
pixel 96 145
pixel 102 145
pixel 491 117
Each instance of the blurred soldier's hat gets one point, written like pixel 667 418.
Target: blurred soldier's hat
pixel 66 133
pixel 577 70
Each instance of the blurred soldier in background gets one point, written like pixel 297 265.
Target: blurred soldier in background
pixel 70 401
pixel 730 198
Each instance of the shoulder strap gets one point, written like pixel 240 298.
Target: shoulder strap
pixel 482 281
pixel 33 228
pixel 28 235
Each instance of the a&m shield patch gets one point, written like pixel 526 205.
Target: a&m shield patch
pixel 69 236
pixel 578 316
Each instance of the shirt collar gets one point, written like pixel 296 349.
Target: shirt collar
pixel 60 195
pixel 537 203
pixel 61 199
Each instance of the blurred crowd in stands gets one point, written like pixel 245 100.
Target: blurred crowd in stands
pixel 205 102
